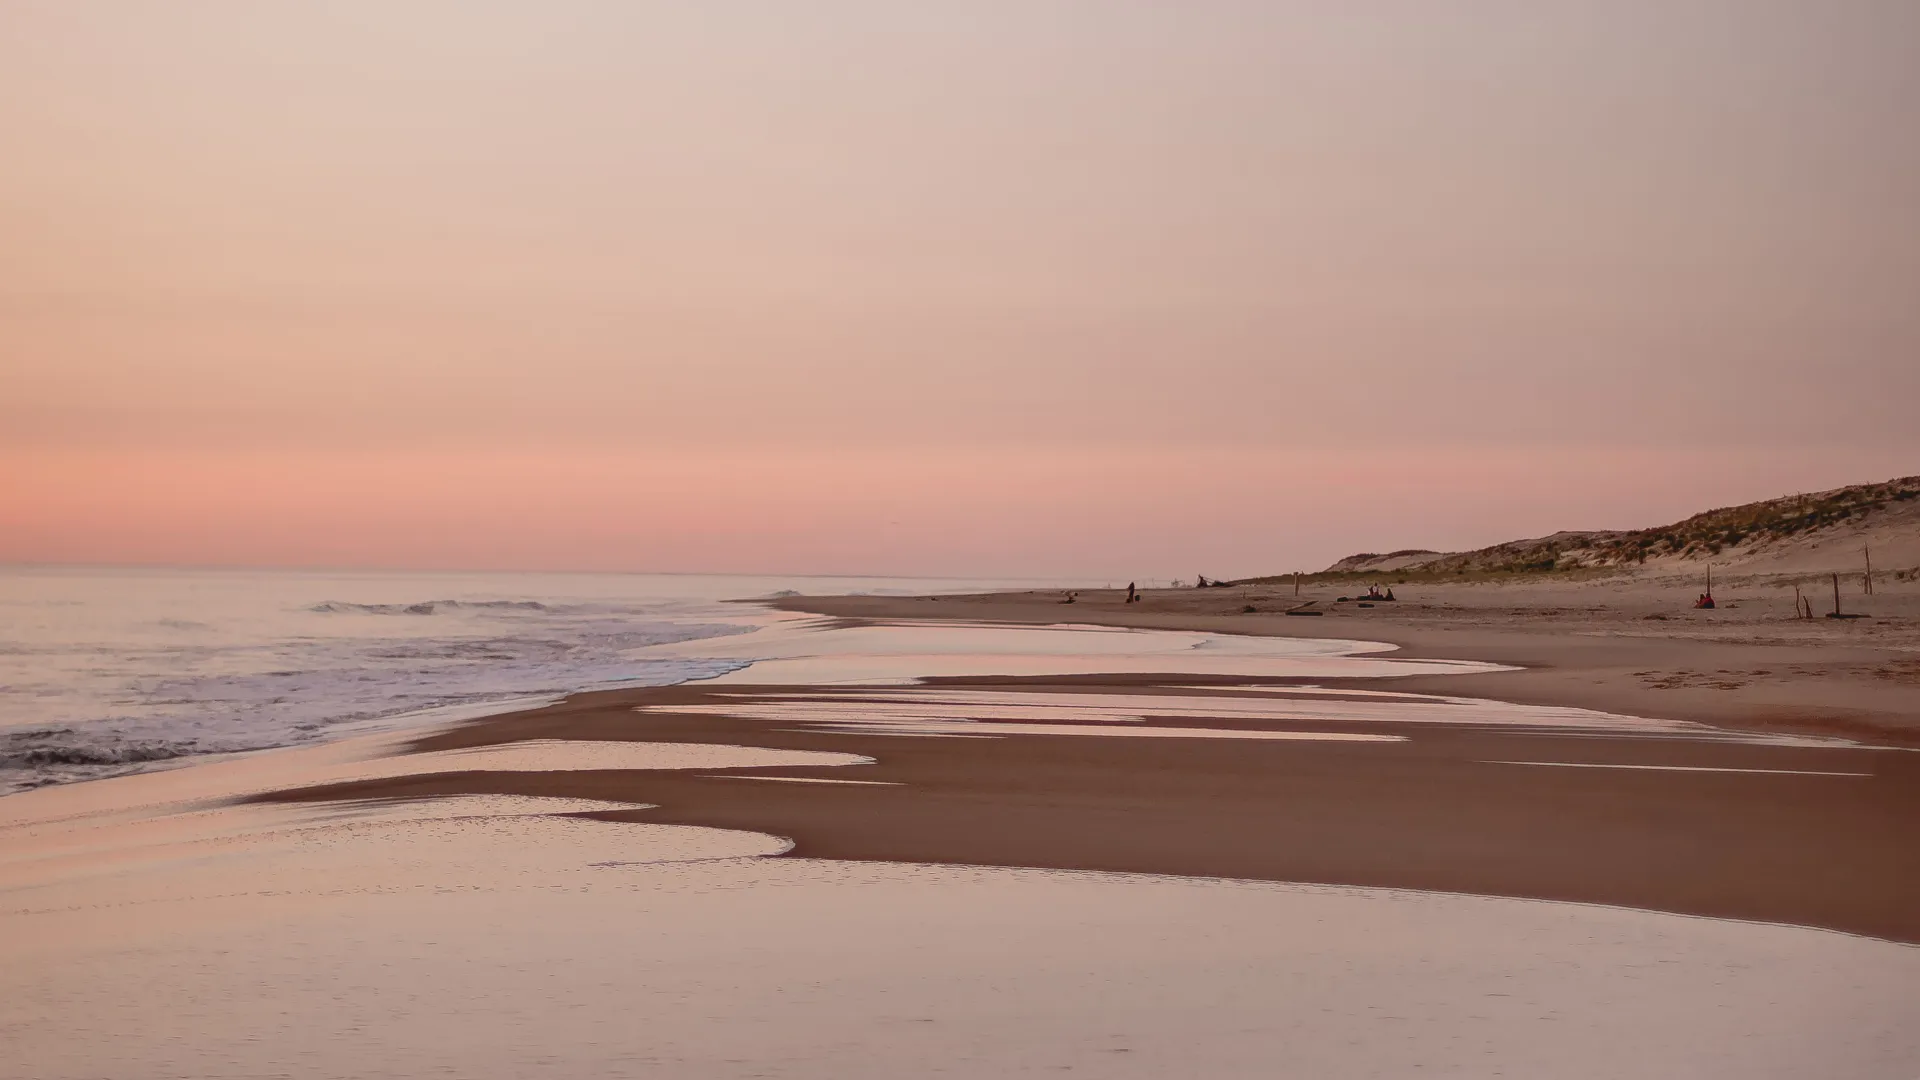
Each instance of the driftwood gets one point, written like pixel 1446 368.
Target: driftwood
pixel 1836 613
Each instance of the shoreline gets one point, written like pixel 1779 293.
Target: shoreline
pixel 1859 682
pixel 1774 829
pixel 1283 777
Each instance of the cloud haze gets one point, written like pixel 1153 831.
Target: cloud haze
pixel 1037 288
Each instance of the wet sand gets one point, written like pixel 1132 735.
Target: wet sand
pixel 494 938
pixel 1619 644
pixel 984 874
pixel 1681 818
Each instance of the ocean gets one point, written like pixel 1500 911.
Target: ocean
pixel 109 671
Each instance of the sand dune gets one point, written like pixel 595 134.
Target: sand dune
pixel 1819 532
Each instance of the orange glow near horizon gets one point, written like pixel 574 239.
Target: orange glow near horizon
pixel 1098 513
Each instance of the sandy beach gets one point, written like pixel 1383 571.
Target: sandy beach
pixel 895 846
pixel 1808 832
pixel 1802 824
pixel 1618 644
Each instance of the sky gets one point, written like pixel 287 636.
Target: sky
pixel 1038 288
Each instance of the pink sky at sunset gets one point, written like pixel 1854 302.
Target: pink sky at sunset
pixel 1037 289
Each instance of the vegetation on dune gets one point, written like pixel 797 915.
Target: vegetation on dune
pixel 1748 527
pixel 1762 522
pixel 1496 570
pixel 1403 553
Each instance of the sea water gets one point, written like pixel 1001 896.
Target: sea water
pixel 108 671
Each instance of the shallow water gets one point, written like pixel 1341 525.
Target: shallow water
pixel 491 937
pixel 815 780
pixel 553 755
pixel 883 720
pixel 105 672
pixel 901 653
pixel 1680 768
pixel 949 710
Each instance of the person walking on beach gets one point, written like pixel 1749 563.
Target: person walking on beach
pixel 1131 594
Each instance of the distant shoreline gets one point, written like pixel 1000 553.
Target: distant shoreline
pixel 1618 645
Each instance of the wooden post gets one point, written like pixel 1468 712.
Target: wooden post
pixel 1709 581
pixel 1867 550
pixel 1836 594
pixel 1796 602
pixel 1296 583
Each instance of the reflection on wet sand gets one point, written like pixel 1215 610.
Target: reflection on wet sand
pixel 940 710
pixel 565 755
pixel 1253 776
pixel 494 938
pixel 822 653
pixel 1680 768
pixel 587 889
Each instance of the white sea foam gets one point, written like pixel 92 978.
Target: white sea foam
pixel 106 672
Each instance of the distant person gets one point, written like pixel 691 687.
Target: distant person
pixel 1131 594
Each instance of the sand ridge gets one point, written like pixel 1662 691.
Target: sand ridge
pixel 1805 834
pixel 1629 645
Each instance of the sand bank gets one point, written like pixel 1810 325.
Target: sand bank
pixel 496 936
pixel 548 909
pixel 1291 773
pixel 1619 645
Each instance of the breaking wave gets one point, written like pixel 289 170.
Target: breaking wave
pixel 262 674
pixel 110 672
pixel 34 749
pixel 427 607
